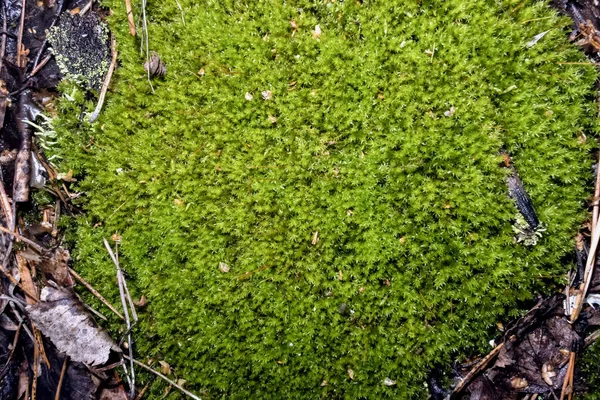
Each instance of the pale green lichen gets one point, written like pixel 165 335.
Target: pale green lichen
pixel 524 233
pixel 80 46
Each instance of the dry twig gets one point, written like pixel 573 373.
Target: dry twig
pixel 106 83
pixel 20 37
pixel 476 370
pixel 62 377
pixel 123 293
pixel 169 381
pixel 95 293
pixel 130 20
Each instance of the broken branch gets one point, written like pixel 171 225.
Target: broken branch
pixel 106 83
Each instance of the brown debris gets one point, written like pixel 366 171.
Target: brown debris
pixel 155 66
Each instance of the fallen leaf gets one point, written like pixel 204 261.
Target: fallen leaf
pixel 315 238
pixel 141 302
pixel 248 96
pixel 224 267
pixel 165 368
pixel 518 383
pixel 267 95
pixel 317 32
pixel 272 119
pixel 113 390
pixel 450 112
pixel 351 374
pixel 62 318
pixel 389 382
pixel 68 177
pixel 55 264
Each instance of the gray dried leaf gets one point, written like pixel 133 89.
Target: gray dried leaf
pixel 62 318
pixel 389 382
pixel 224 267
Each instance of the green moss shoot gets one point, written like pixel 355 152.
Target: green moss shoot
pixel 354 183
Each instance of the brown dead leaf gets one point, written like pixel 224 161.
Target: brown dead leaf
pixel 26 279
pixel 165 368
pixel 55 265
pixel 141 302
pixel 113 390
pixel 62 318
pixel 351 374
pixel 68 177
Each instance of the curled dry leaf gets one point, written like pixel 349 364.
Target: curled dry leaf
pixel 315 238
pixel 317 32
pixel 267 95
pixel 55 264
pixel 548 373
pixel 155 66
pixel 224 267
pixel 62 318
pixel 450 112
pixel 141 302
pixel 165 368
pixel 519 383
pixel 389 382
pixel 351 374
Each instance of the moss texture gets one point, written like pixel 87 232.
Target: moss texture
pixel 414 261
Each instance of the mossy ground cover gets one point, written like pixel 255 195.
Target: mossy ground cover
pixel 414 261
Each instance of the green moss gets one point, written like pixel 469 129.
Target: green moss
pixel 411 207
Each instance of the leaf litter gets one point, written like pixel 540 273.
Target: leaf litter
pixel 50 342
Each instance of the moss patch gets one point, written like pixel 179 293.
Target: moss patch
pixel 350 179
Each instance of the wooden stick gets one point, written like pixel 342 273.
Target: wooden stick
pixel 568 382
pixel 476 370
pixel 106 82
pixel 143 392
pixel 5 203
pixel 130 20
pixel 591 260
pixel 95 293
pixel 16 283
pixel 86 8
pixel 3 47
pixel 23 160
pixel 23 239
pixel 41 65
pixel 596 194
pixel 20 37
pixel 592 338
pixel 60 381
pixel 122 284
pixel 147 368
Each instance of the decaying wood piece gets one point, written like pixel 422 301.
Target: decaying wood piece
pixel 130 20
pixel 106 83
pixel 23 162
pixel 522 200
